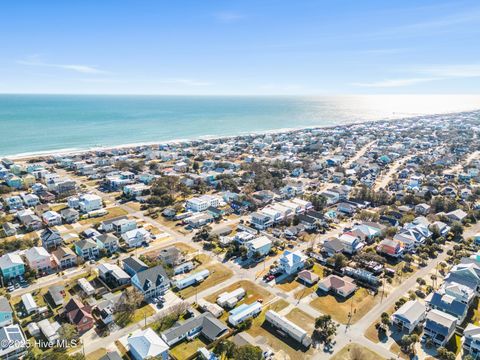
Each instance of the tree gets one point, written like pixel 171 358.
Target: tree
pixel 325 329
pixel 457 230
pixel 444 354
pixel 129 301
pixel 225 348
pixel 68 332
pixel 338 261
pixel 318 201
pixel 248 352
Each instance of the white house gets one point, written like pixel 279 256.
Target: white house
pixel 202 203
pixel 146 344
pixel 409 315
pixel 90 202
pixel 52 218
pixel 292 262
pixel 136 237
pixel 261 245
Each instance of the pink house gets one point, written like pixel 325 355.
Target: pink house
pixel 38 259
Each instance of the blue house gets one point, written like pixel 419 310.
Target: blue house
pixel 11 266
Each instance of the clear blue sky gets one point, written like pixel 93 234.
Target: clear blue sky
pixel 239 46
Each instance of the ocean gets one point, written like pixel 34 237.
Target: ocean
pixel 31 124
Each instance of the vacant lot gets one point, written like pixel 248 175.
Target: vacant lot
pixel 288 284
pixel 359 303
pixel 252 290
pixel 113 212
pixel 302 319
pixel 218 274
pixel 269 337
pixel 356 351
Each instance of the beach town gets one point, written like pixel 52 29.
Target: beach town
pixel 358 241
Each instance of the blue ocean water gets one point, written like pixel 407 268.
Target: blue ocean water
pixel 43 123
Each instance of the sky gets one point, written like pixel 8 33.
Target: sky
pixel 240 47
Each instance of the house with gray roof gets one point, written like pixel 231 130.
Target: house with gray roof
pixel 151 282
pixel 409 315
pixel 205 324
pixel 6 313
pixel 448 304
pixel 439 327
pixel 471 340
pixel 13 342
pixel 132 265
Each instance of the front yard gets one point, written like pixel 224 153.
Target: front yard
pixel 359 303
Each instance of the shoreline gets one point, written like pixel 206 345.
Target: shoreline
pixel 77 151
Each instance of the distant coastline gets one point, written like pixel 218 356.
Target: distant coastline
pixel 72 152
pixel 63 124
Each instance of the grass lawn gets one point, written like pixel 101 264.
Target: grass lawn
pixel 58 207
pixel 113 212
pixel 361 302
pixel 252 290
pixel 356 351
pixel 97 354
pixel 395 348
pixel 218 274
pixel 138 315
pixel 455 344
pixel 372 333
pixel 302 319
pixel 305 291
pixel 258 321
pixel 318 269
pixel 274 341
pixel 288 284
pixel 187 348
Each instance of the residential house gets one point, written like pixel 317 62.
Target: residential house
pixel 89 202
pixel 390 247
pixel 57 294
pixel 439 327
pixel 52 218
pixel 14 342
pixel 51 238
pixel 132 265
pixel 171 256
pixel 9 229
pixel 244 312
pixel 6 312
pixel 38 259
pixel 11 266
pixel 108 242
pixel 136 237
pixel 308 277
pixel 121 226
pixel 191 279
pixel 343 286
pixel 351 243
pixel 409 315
pixel 205 324
pixel 146 344
pixel 260 220
pixel 87 249
pixel 63 258
pixel 151 282
pixel 260 245
pixel 292 262
pixel 49 330
pixel 471 340
pixel 113 275
pixel 332 246
pixel 107 307
pixel 79 315
pixel 448 304
pixel 456 215
pixel 70 216
pixel 107 225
